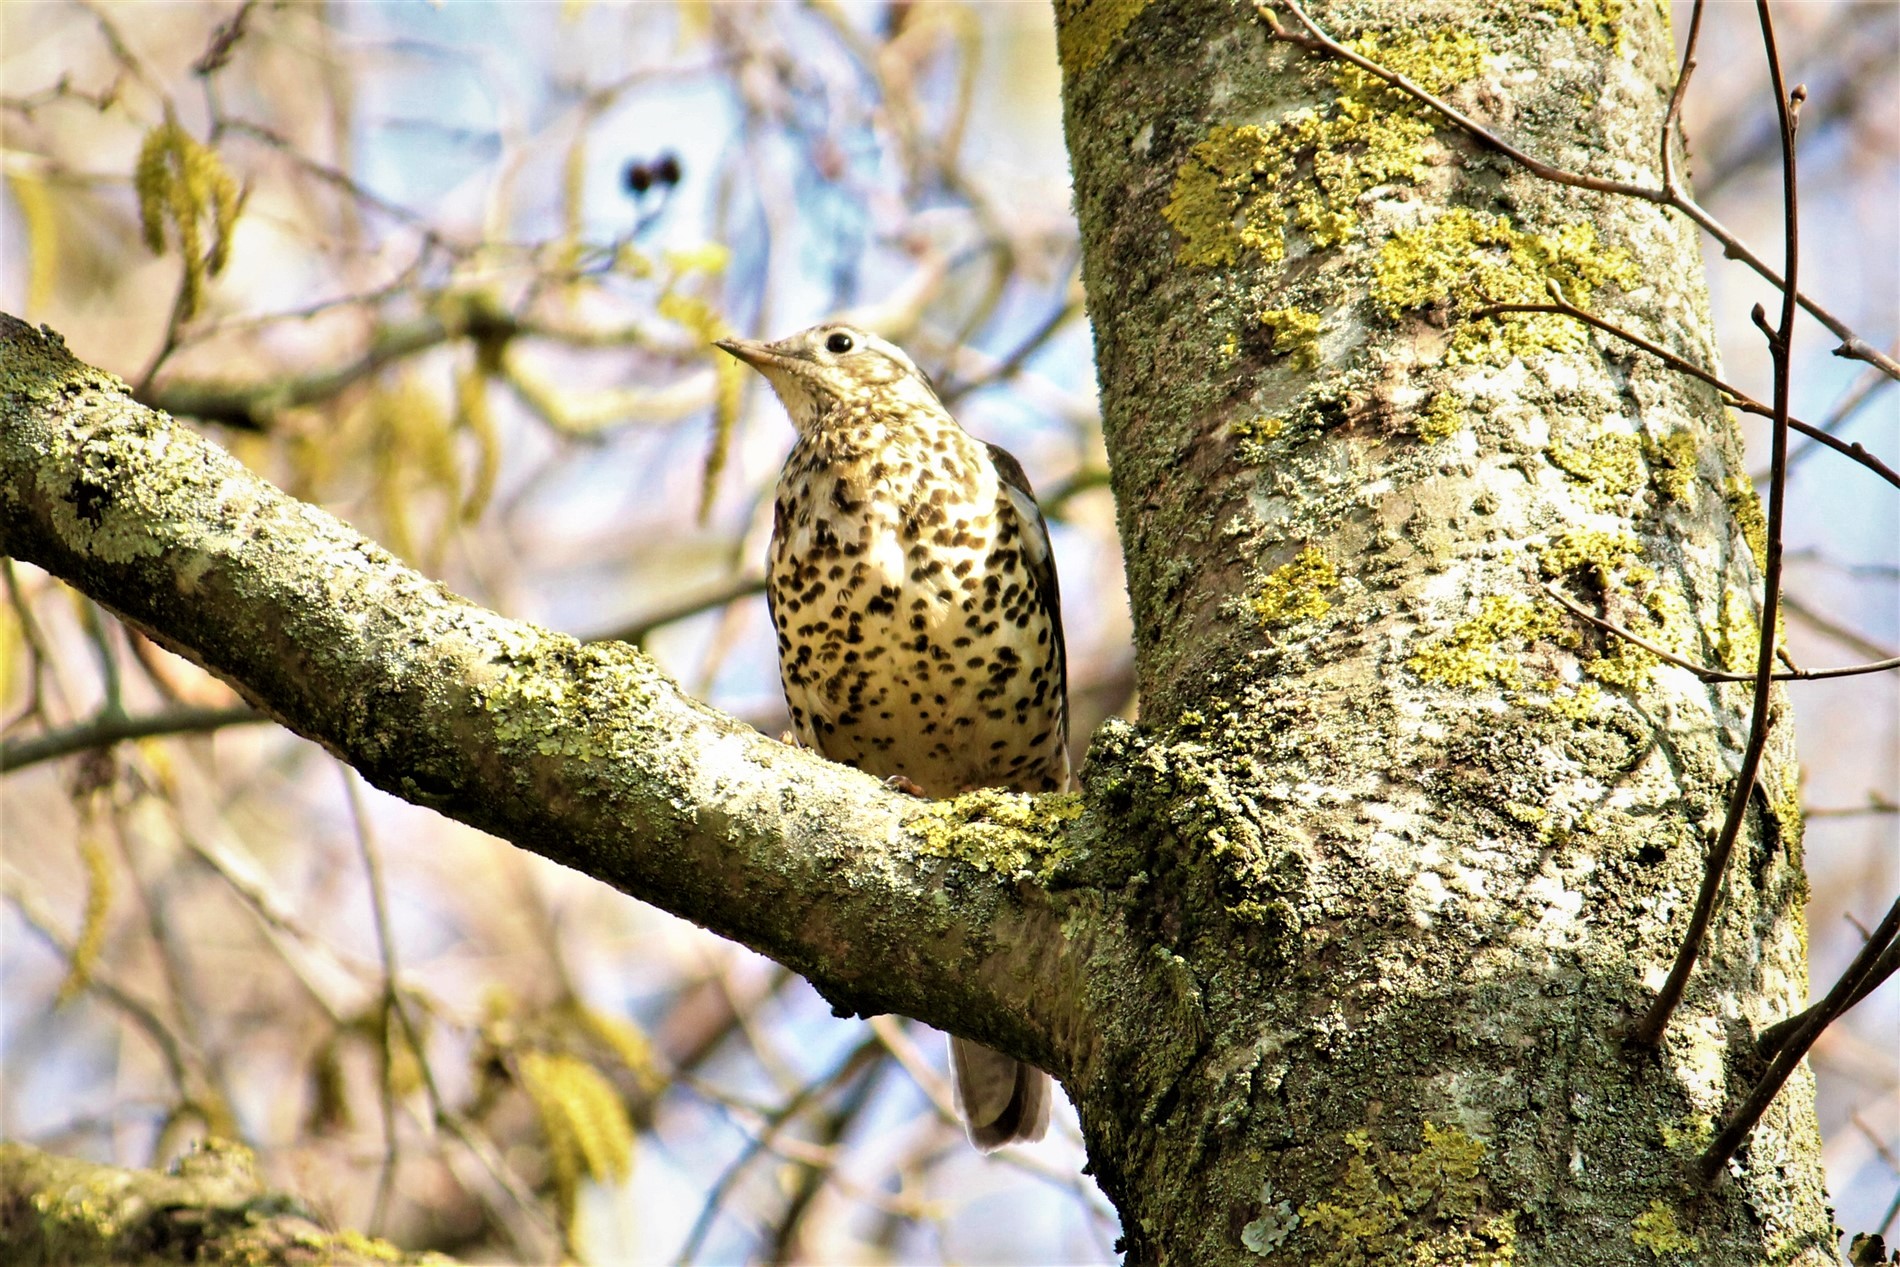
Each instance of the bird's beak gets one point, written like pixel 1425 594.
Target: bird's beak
pixel 759 356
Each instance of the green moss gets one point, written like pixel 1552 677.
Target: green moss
pixel 1294 593
pixel 1745 504
pixel 1466 261
pixel 1672 466
pixel 1656 1230
pixel 991 830
pixel 1608 466
pixel 1087 29
pixel 1295 335
pixel 1597 555
pixel 1241 188
pixel 1441 419
pixel 1483 649
pixel 1421 1209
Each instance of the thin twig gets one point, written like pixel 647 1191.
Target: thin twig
pixel 391 1001
pixel 1876 804
pixel 1834 631
pixel 1847 990
pixel 1649 1031
pixel 1852 345
pixel 640 628
pixel 174 1050
pixel 1677 96
pixel 1740 399
pixel 108 729
pixel 1852 401
pixel 1707 674
pixel 1776 1036
pixel 816 1174
pixel 776 1122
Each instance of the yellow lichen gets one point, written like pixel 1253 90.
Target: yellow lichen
pixel 1598 555
pixel 1738 632
pixel 1295 335
pixel 1483 648
pixel 1241 187
pixel 1294 592
pixel 1580 704
pixel 1663 619
pixel 992 830
pixel 1601 20
pixel 1226 198
pixel 1441 419
pixel 1657 1231
pixel 1745 505
pixel 1689 1134
pixel 1251 438
pixel 1087 29
pixel 1467 261
pixel 1672 466
pixel 1608 466
pixel 1424 1209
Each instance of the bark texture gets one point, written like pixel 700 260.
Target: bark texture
pixel 1333 952
pixel 210 1209
pixel 1419 844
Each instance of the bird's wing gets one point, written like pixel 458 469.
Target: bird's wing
pixel 1038 555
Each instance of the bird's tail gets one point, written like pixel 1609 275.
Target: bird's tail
pixel 1000 1099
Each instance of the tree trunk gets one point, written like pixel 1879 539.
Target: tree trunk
pixel 1415 843
pixel 1335 953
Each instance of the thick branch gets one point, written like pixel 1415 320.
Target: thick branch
pixel 210 1207
pixel 586 754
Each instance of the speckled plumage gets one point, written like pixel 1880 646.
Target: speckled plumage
pixel 919 625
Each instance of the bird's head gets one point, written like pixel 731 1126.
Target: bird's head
pixel 822 372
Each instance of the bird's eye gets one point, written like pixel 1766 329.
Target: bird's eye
pixel 839 342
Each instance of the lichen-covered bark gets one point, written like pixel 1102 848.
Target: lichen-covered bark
pixel 211 1209
pixel 957 912
pixel 1414 845
pixel 1334 951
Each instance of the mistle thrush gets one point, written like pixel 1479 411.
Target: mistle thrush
pixel 919 628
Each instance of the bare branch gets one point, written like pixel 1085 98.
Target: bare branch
pixel 1561 306
pixel 111 728
pixel 1649 1030
pixel 1706 674
pixel 1873 964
